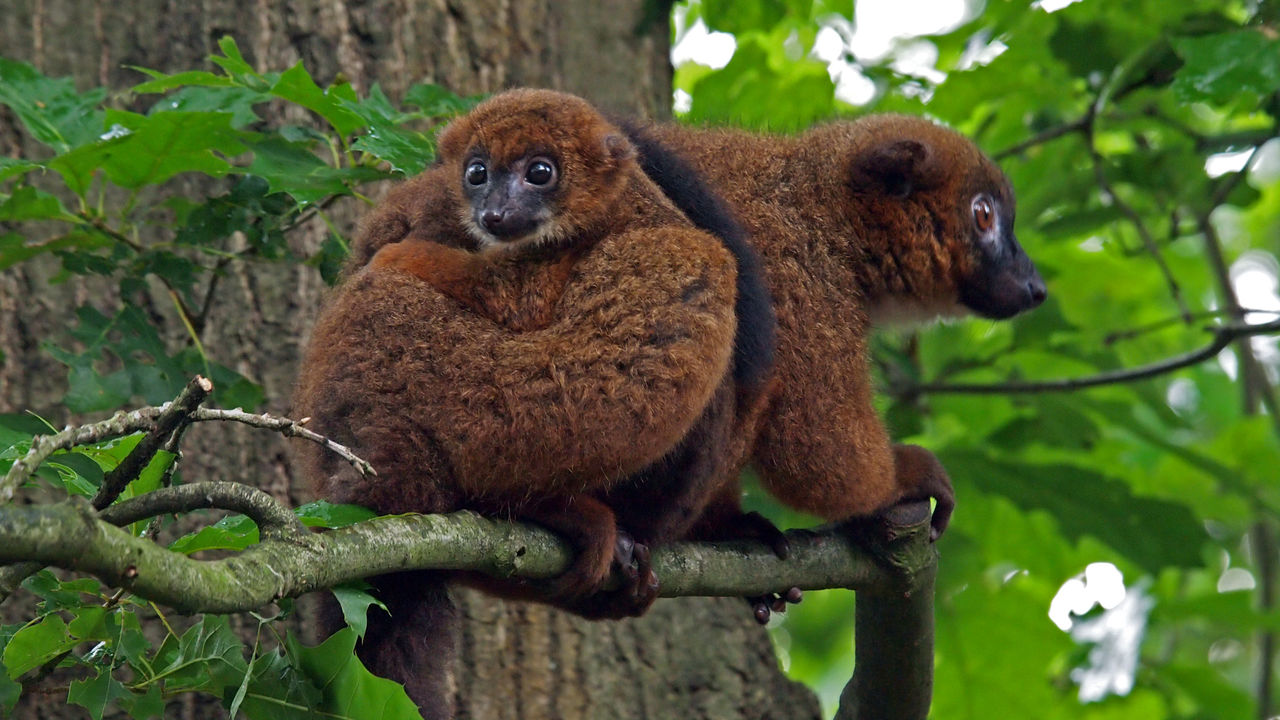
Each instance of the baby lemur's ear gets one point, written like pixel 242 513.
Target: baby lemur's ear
pixel 618 148
pixel 896 167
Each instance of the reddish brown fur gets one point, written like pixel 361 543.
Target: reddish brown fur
pixel 393 368
pixel 537 415
pixel 520 291
pixel 840 252
pixel 601 193
pixel 466 409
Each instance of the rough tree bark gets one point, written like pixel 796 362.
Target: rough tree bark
pixel 688 658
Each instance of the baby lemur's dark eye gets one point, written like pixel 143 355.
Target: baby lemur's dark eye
pixel 984 216
pixel 476 174
pixel 540 172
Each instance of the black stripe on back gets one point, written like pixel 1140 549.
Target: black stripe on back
pixel 756 339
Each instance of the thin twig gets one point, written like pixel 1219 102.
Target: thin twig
pixel 172 417
pixel 42 446
pixel 1116 336
pixel 1222 337
pixel 1256 386
pixel 288 428
pixel 1043 137
pixel 144 419
pixel 1230 181
pixel 1144 233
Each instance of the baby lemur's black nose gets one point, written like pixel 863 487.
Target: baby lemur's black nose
pixel 492 220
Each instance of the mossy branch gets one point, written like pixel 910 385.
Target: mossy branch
pixel 889 560
pixel 291 561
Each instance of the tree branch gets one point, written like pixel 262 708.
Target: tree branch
pixel 1222 337
pixel 893 624
pixel 69 535
pixel 272 518
pixel 1043 137
pixel 1116 336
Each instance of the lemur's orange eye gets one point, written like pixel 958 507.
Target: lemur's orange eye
pixel 984 216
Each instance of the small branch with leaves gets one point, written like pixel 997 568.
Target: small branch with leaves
pixel 160 423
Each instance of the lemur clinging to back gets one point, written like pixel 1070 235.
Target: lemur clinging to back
pixel 592 390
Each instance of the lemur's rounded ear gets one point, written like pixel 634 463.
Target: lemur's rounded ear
pixel 896 168
pixel 618 148
pixel 451 140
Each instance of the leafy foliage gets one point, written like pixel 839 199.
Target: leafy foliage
pixel 203 123
pixel 102 201
pixel 1104 115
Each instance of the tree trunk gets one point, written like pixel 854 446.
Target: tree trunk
pixel 688 658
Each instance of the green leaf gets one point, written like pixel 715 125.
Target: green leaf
pixel 1210 690
pixel 97 693
pixel 1080 223
pixel 236 67
pixel 995 648
pixel 82 465
pixel 10 690
pixel 37 644
pixel 296 85
pixel 435 101
pixel 208 657
pixel 17 427
pixel 51 110
pixel 77 166
pixel 94 623
pixel 407 151
pixel 60 595
pixel 328 259
pixel 151 475
pixel 322 513
pixel 156 147
pixel 293 168
pixel 354 598
pixel 161 82
pixel 149 705
pixel 1220 67
pixel 148 369
pixel 738 17
pixel 239 101
pixel 13 247
pixel 234 532
pixel 14 167
pixel 278 691
pixel 745 91
pixel 249 208
pixel 28 203
pixel 133 647
pixel 349 689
